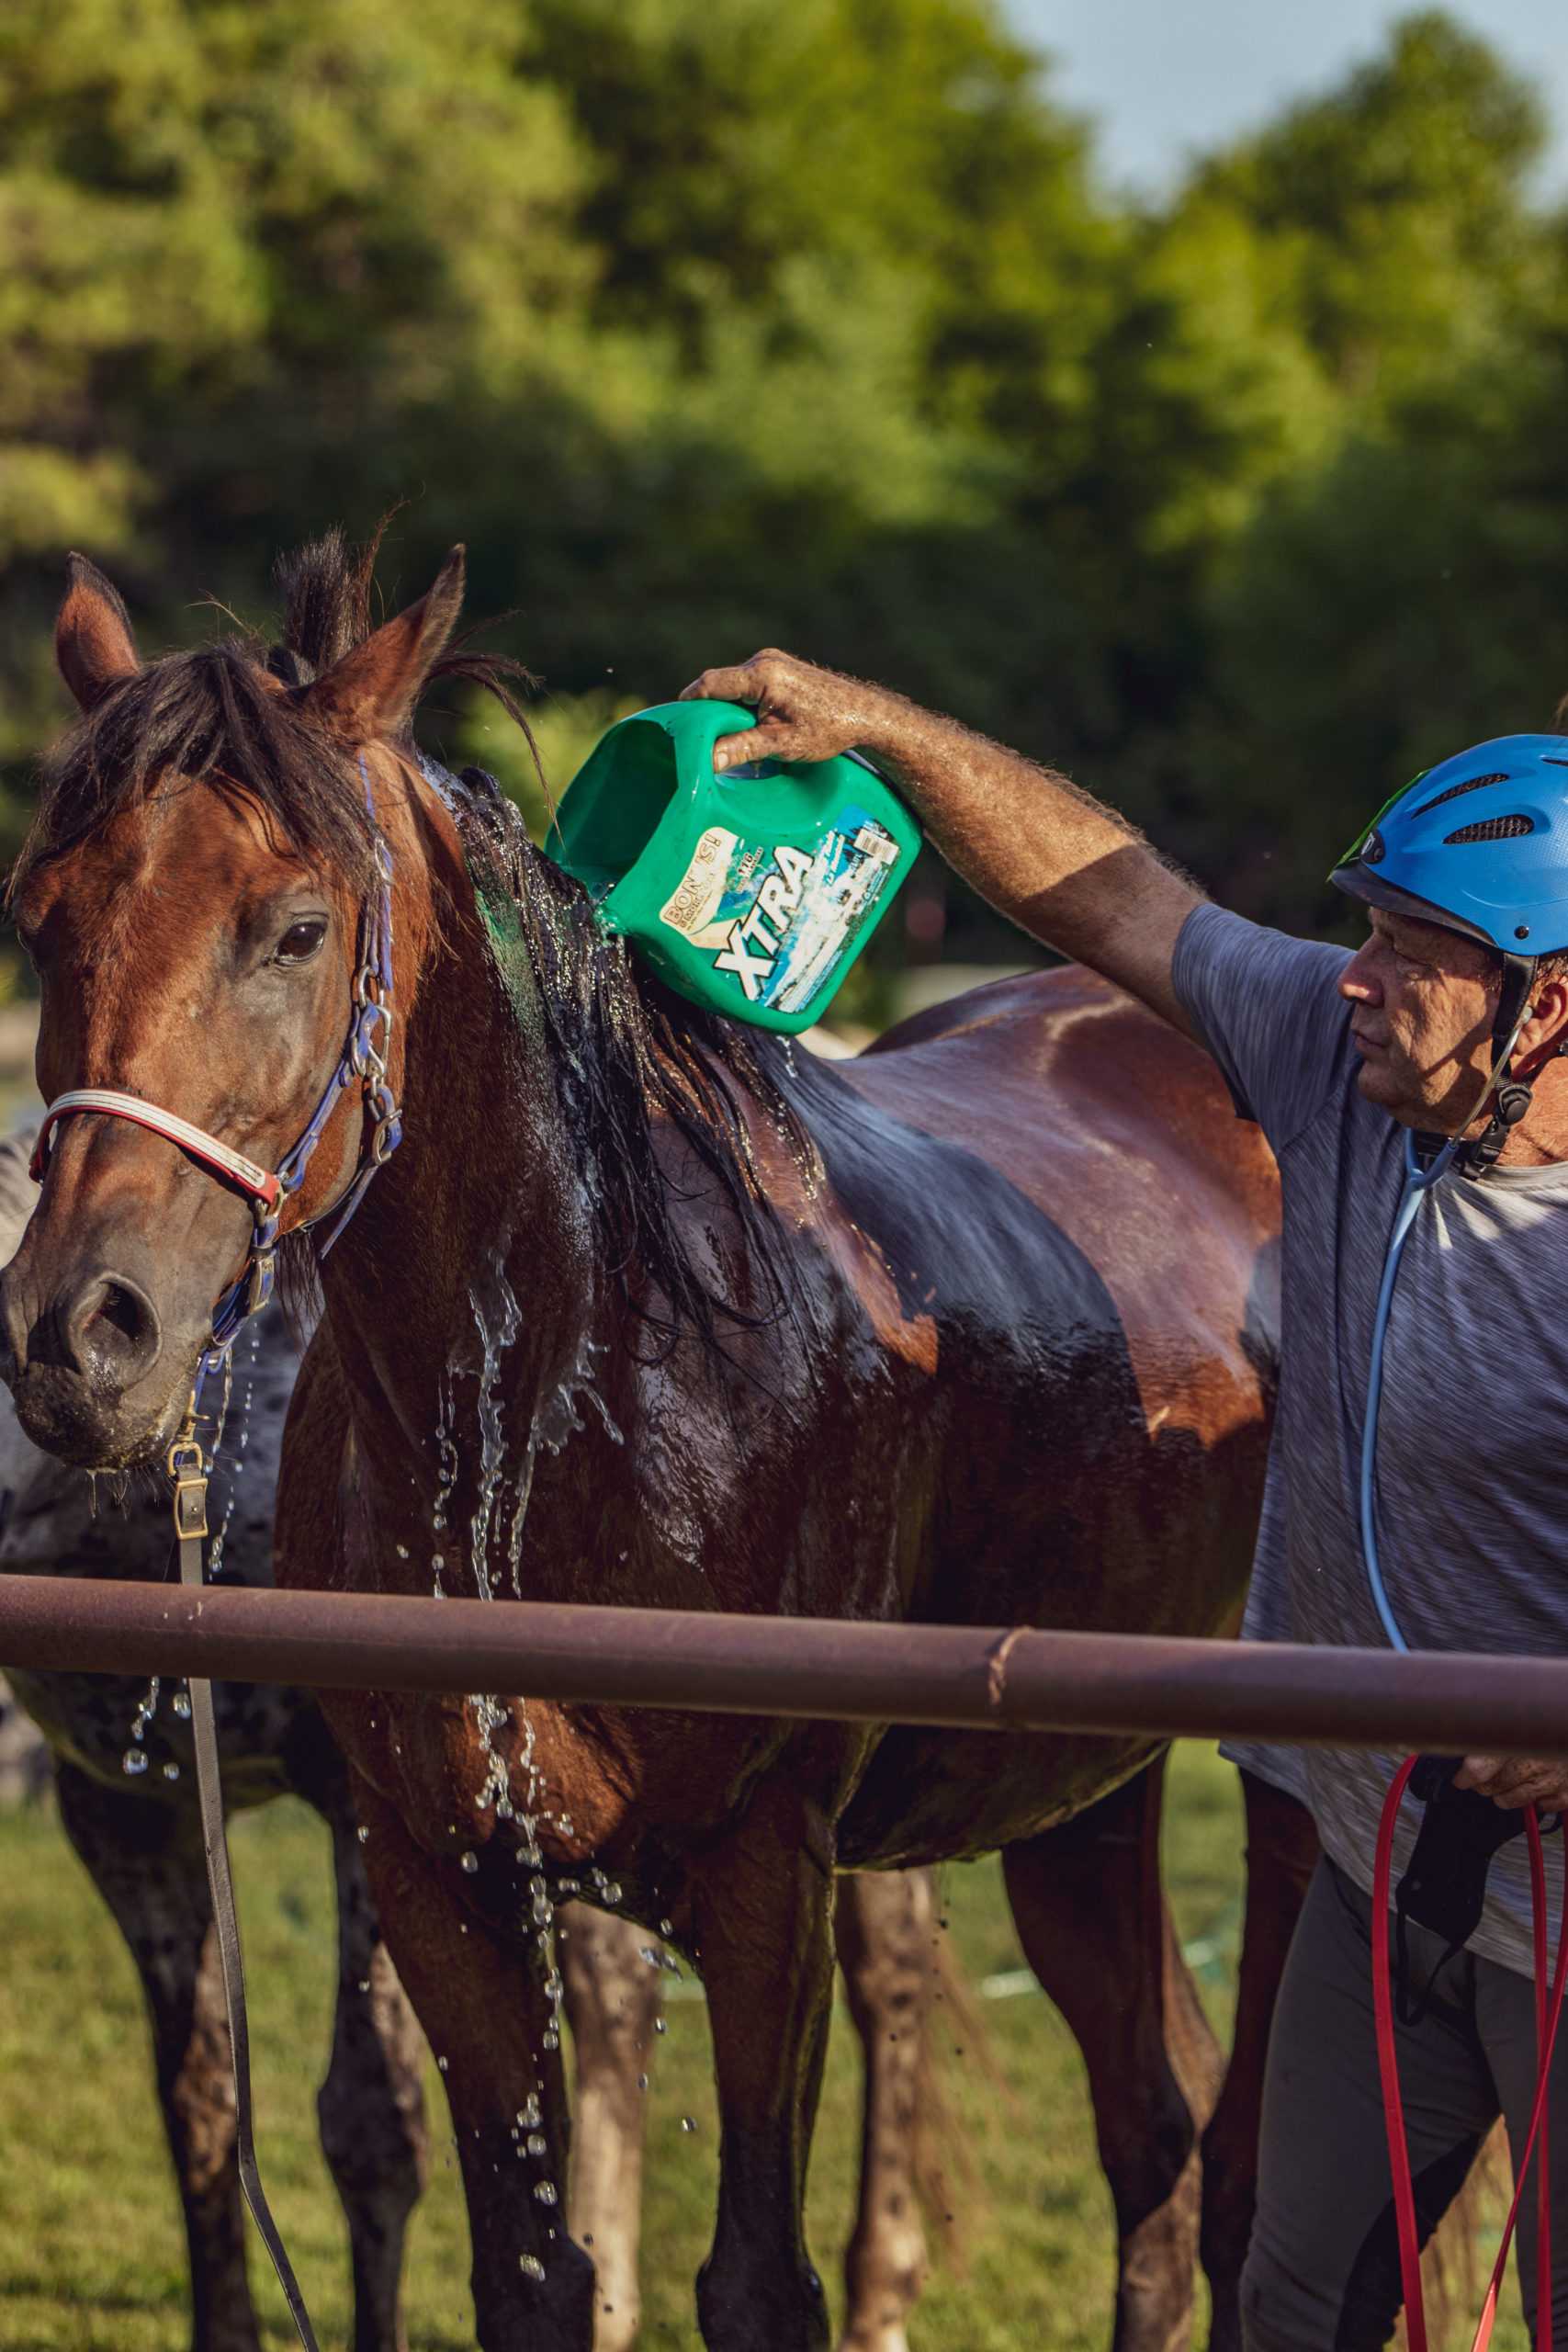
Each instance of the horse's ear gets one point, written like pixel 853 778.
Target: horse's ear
pixel 372 691
pixel 92 643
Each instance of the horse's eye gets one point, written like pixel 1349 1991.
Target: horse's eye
pixel 300 941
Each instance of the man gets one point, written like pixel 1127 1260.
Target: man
pixel 1448 1022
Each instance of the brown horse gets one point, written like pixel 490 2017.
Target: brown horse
pixel 647 1309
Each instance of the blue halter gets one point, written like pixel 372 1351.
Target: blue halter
pixel 363 1057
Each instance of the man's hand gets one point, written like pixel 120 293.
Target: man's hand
pixel 1057 864
pixel 1515 1781
pixel 803 713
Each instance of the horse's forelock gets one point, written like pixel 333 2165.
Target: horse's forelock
pixel 217 714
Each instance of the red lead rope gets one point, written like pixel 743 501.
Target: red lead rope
pixel 1545 2017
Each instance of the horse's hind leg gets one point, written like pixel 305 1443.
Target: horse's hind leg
pixel 371 2107
pixel 1087 1904
pixel 1281 1853
pixel 885 1924
pixel 762 1907
pixel 148 1866
pixel 612 1999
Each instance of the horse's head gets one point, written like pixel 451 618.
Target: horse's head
pixel 193 896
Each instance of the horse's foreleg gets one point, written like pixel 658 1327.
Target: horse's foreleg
pixel 883 1925
pixel 148 1866
pixel 612 1999
pixel 1281 1853
pixel 1087 1904
pixel 484 2006
pixel 371 2106
pixel 763 1918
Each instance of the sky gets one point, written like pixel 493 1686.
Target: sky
pixel 1167 77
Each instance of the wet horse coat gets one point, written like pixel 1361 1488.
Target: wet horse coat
pixel 975 1329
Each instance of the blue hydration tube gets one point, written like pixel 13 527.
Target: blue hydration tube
pixel 1419 1182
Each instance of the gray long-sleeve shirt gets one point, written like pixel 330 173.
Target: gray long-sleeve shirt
pixel 1473 1449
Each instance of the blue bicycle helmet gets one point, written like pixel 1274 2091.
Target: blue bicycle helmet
pixel 1479 844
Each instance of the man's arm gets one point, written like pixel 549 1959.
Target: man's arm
pixel 1074 874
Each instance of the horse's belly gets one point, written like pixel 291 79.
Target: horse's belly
pixel 936 1796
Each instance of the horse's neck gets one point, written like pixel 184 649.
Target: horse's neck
pixel 468 1272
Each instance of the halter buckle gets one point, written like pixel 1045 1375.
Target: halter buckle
pixel 187 1470
pixel 366 1059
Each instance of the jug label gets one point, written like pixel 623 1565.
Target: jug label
pixel 780 921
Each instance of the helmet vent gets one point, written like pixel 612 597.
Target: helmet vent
pixel 1471 784
pixel 1492 829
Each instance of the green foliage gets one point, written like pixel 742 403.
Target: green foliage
pixel 707 324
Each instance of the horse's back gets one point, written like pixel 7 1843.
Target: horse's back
pixel 1120 1132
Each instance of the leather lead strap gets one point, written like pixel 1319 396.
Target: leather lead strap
pixel 189 1474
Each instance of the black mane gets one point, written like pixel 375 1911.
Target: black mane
pixel 628 1055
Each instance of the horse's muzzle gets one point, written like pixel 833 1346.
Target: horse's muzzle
pixel 83 1364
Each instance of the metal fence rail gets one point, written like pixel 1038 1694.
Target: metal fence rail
pixel 956 1676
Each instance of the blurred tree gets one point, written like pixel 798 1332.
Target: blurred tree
pixel 1402 590
pixel 245 254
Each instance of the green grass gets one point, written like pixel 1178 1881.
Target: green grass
pixel 91 2250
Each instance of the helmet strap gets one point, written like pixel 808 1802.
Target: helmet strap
pixel 1510 1096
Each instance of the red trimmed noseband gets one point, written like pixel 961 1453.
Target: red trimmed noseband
pixel 219 1159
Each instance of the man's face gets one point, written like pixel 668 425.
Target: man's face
pixel 1424 1001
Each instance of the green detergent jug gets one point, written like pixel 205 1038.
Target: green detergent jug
pixel 751 892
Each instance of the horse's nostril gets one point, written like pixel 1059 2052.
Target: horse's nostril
pixel 126 1310
pixel 112 1330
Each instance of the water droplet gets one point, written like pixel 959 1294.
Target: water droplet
pixel 529 2117
pixel 611 1890
pixel 544 2191
pixel 181 1705
pixel 133 1762
pixel 364 1836
pixel 642 2082
pixel 666 1927
pixel 401 1550
pixel 469 1862
pixel 171 1772
pixel 364 1984
pixel 551 2037
pixel 660 2026
pixel 688 2124
pixel 530 2265
pixel 443 2064
pixel 537 2143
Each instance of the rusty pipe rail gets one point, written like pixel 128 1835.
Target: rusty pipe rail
pixel 956 1676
